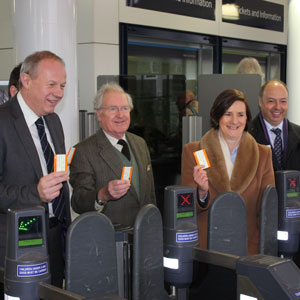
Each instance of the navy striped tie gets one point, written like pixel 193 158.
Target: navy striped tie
pixel 58 203
pixel 278 144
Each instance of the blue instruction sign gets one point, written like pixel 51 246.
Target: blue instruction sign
pixel 186 237
pixel 32 270
pixel 292 213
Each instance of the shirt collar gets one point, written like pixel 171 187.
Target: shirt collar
pixel 29 115
pixel 112 139
pixel 269 126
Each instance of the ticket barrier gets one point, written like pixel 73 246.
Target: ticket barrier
pixel 124 248
pixel 288 188
pixel 180 236
pixel 148 272
pixel 26 274
pixel 91 265
pixel 258 276
pixel 26 260
pixel 268 243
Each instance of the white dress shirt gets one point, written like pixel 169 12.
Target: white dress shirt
pixel 30 118
pixel 272 134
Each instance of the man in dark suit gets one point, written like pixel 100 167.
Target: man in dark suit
pixel 14 81
pixel 26 178
pixel 271 127
pixel 95 171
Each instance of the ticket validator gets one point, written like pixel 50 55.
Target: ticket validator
pixel 288 190
pixel 26 261
pixel 180 234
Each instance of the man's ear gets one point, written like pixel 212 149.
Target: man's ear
pixel 13 90
pixel 259 101
pixel 25 79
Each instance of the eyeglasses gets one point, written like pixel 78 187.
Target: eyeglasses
pixel 116 109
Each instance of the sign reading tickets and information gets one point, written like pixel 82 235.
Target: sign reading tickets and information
pixel 254 13
pixel 204 9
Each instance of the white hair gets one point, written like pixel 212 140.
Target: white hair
pixel 107 87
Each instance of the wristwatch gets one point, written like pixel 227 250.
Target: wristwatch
pixel 98 200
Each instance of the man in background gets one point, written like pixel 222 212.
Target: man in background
pixel 96 169
pixel 14 84
pixel 271 127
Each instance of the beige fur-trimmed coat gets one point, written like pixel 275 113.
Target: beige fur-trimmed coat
pixel 251 173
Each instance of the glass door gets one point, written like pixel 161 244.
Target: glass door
pixel 166 65
pixel 271 58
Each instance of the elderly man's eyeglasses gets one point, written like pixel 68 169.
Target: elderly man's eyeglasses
pixel 116 109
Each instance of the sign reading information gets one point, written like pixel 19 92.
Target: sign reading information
pixel 204 9
pixel 254 13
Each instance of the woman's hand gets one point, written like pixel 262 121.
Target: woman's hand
pixel 200 177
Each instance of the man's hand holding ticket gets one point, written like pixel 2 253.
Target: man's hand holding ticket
pixel 126 173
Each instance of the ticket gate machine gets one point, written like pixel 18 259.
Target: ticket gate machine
pixel 259 277
pixel 180 234
pixel 288 189
pixel 26 261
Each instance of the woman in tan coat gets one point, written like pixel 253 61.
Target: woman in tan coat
pixel 238 164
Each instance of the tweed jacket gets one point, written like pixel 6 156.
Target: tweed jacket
pixel 252 172
pixel 95 163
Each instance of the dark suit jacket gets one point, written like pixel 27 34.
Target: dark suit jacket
pixel 95 163
pixel 293 144
pixel 20 168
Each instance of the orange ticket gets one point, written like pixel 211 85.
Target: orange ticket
pixel 127 173
pixel 201 158
pixel 70 154
pixel 60 162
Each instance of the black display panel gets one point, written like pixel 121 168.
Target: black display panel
pixel 185 205
pixel 30 231
pixel 292 189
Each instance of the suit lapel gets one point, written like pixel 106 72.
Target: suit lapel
pixel 107 152
pixel 258 132
pixel 293 140
pixel 26 138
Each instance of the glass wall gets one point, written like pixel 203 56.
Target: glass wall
pixel 166 66
pixel 160 69
pixel 270 57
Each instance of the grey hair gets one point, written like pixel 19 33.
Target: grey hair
pixel 31 62
pixel 108 87
pixel 250 65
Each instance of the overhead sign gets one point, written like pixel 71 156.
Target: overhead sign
pixel 254 13
pixel 204 9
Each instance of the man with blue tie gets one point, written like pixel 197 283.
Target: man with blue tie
pixel 96 169
pixel 31 133
pixel 271 127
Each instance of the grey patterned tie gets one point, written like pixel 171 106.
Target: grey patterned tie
pixel 58 203
pixel 278 144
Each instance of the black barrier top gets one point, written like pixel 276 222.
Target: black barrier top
pixel 227 224
pixel 91 263
pixel 148 273
pixel 269 222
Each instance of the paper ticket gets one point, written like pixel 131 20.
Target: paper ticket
pixel 70 154
pixel 60 162
pixel 202 159
pixel 126 173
